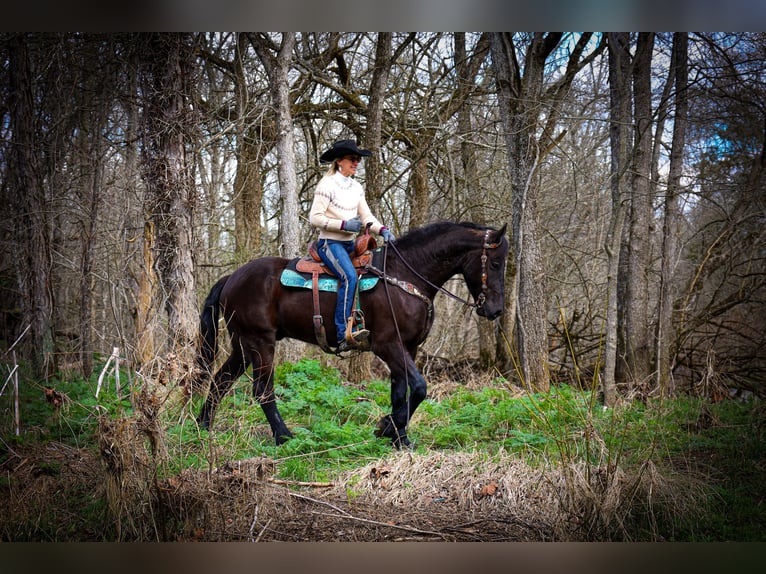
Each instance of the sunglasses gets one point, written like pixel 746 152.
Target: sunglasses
pixel 353 158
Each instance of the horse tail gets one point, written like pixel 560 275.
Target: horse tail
pixel 208 328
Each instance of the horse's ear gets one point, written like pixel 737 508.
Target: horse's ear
pixel 500 232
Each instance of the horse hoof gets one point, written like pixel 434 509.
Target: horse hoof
pixel 402 442
pixel 385 428
pixel 282 438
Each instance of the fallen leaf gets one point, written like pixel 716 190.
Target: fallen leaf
pixel 489 489
pixel 378 473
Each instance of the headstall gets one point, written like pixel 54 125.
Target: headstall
pixel 484 287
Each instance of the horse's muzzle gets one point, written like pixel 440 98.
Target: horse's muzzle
pixel 490 314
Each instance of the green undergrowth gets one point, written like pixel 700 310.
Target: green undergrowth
pixel 333 421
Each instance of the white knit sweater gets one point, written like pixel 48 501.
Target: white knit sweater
pixel 337 199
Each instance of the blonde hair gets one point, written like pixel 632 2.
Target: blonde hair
pixel 333 167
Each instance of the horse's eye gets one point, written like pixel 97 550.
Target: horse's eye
pixel 495 265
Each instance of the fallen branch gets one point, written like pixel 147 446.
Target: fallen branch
pixel 304 497
pixel 386 524
pixel 300 483
pixel 344 514
pixel 16 342
pixel 116 357
pixel 16 412
pixel 10 376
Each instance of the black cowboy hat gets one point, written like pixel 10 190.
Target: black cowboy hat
pixel 341 148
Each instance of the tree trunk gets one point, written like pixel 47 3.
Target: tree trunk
pixel 248 185
pixel 520 98
pixel 508 85
pixel 664 337
pixel 419 185
pixel 619 90
pixel 373 139
pixel 170 184
pixel 33 263
pixel 360 365
pixel 140 268
pixel 248 197
pixel 93 152
pixel 277 68
pixel 94 103
pixel 636 353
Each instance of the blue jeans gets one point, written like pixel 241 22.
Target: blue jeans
pixel 336 255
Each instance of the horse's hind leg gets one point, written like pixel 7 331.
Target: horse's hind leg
pixel 262 358
pixel 230 371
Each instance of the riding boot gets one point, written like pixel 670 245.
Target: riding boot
pixel 344 346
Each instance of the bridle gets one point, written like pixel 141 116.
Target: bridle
pixel 482 297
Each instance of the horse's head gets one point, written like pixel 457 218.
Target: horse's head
pixel 485 273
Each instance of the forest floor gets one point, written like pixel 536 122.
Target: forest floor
pixel 398 500
pixel 114 483
pixel 58 493
pixel 55 492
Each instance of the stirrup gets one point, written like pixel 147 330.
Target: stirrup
pixel 357 341
pixel 359 338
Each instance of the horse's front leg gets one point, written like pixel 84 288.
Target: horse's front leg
pixel 403 404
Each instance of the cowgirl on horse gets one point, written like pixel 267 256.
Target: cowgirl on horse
pixel 340 211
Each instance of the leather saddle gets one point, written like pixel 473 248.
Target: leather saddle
pixel 312 265
pixel 361 259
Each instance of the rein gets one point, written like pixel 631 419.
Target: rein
pixel 484 287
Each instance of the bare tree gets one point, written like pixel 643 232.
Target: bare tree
pixel 525 103
pixel 277 68
pixel 438 106
pixel 254 141
pixel 620 121
pixel 167 74
pixel 373 139
pixel 634 346
pixel 671 214
pixel 94 106
pixel 32 229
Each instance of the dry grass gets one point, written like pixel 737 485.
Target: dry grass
pixel 50 476
pixel 472 496
pixel 404 496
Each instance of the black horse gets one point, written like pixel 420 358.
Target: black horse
pixel 398 311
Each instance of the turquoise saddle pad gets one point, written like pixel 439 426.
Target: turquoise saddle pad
pixel 291 278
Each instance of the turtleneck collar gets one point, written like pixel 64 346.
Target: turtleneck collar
pixel 343 180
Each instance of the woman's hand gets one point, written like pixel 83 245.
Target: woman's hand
pixel 352 225
pixel 386 235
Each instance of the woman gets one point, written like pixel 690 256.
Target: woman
pixel 339 211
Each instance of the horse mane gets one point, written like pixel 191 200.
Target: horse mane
pixel 419 244
pixel 422 234
pixel 425 232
